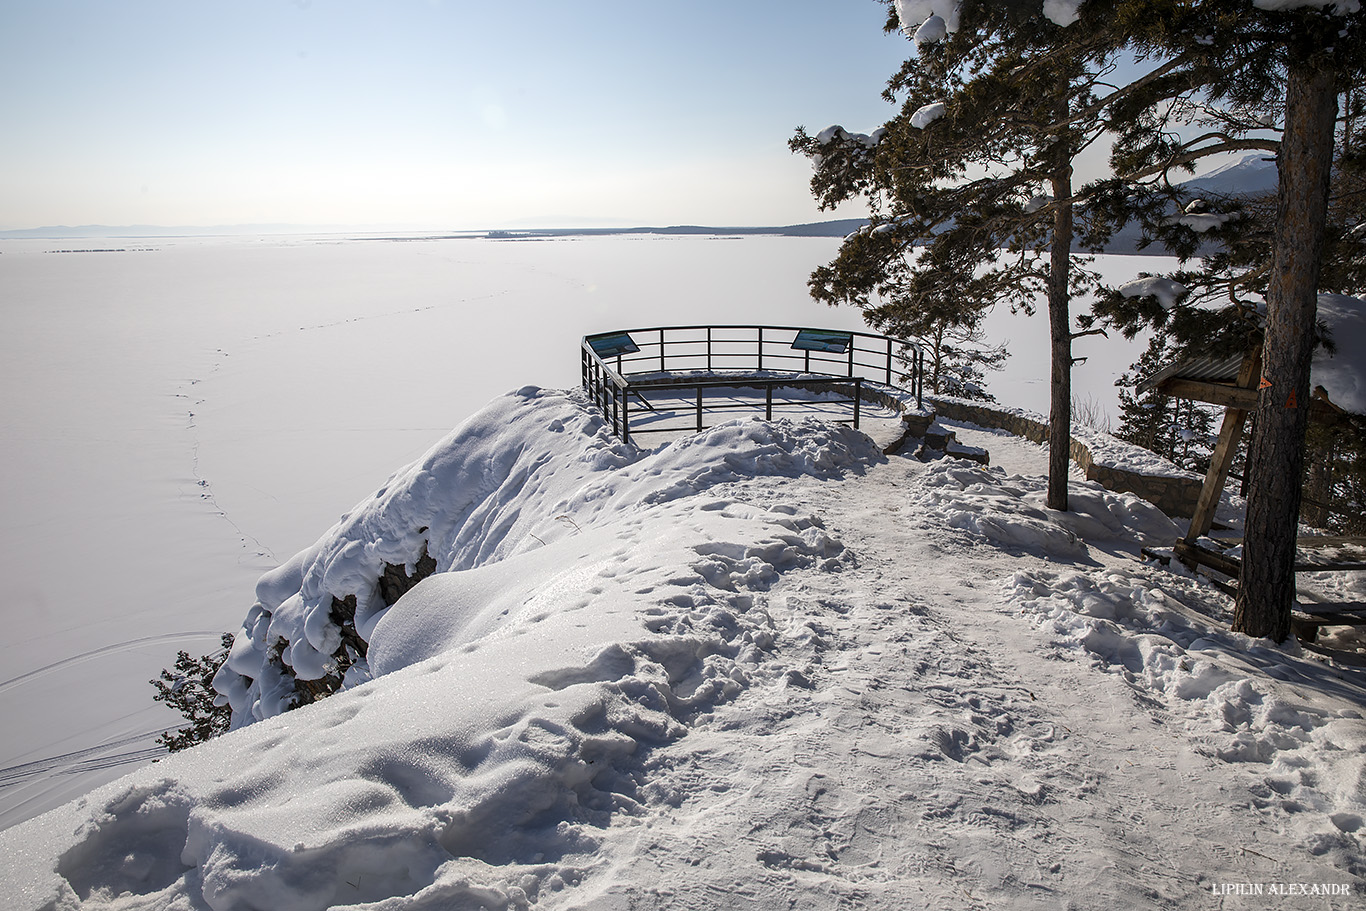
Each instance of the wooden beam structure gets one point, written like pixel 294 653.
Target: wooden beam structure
pixel 1239 397
pixel 1211 380
pixel 1224 450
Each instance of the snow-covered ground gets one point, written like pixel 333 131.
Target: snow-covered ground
pixel 182 416
pixel 764 666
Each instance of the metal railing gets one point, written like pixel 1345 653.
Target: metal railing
pixel 732 356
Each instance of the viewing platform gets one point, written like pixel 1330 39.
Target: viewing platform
pixel 675 380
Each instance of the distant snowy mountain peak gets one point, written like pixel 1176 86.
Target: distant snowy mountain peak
pixel 1251 175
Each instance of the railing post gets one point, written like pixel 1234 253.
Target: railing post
pixel 699 408
pixel 852 343
pixel 858 396
pixel 768 402
pixel 625 415
pixel 806 361
pixel 889 362
pixel 919 378
pixel 661 352
pixel 699 388
pixel 761 347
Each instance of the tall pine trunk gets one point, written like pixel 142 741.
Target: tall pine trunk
pixel 1266 588
pixel 1060 333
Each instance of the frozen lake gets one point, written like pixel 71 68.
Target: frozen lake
pixel 184 415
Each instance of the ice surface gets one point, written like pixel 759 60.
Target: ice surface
pixel 765 663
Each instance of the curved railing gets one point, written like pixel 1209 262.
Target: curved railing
pixel 619 365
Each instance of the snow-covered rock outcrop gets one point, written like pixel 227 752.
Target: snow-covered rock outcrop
pixel 529 470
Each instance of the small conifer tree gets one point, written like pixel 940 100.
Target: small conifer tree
pixel 1176 429
pixel 189 690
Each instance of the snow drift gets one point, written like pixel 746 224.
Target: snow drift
pixel 762 665
pixel 588 597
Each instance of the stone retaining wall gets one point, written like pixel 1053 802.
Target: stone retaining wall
pixel 1173 495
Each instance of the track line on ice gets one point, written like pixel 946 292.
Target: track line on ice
pixel 374 316
pixel 125 646
pixel 206 493
pixel 89 759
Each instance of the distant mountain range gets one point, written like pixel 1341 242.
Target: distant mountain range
pixel 1251 175
pixel 837 228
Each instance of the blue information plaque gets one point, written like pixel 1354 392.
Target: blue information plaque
pixel 823 340
pixel 612 344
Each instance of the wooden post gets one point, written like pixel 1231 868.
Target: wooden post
pixel 1224 450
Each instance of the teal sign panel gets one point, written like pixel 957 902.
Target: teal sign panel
pixel 613 344
pixel 823 340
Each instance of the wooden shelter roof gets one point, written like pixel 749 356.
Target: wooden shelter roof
pixel 1214 380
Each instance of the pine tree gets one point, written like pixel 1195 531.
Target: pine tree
pixel 1177 430
pixel 1256 79
pixel 189 690
pixel 970 185
pixel 957 353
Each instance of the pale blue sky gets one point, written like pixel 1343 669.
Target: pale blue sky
pixel 427 113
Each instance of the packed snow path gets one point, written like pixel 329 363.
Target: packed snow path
pixel 765 667
pixel 934 748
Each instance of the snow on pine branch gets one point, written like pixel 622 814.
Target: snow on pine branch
pixel 928 114
pixel 915 14
pixel 927 21
pixel 837 133
pixel 1166 291
pixel 917 17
